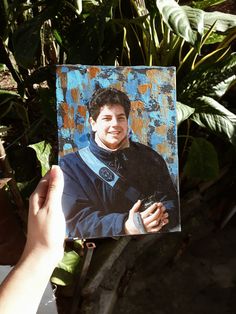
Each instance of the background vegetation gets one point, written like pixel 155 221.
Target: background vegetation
pixel 35 35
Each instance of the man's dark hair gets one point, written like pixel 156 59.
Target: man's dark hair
pixel 108 96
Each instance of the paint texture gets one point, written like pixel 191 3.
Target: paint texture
pixel 151 90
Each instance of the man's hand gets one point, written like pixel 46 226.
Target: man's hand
pixel 46 222
pixel 154 218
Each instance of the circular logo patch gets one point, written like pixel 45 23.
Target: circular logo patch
pixel 106 174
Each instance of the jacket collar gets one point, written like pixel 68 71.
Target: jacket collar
pixel 103 153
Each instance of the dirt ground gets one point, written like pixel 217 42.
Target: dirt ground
pixel 202 280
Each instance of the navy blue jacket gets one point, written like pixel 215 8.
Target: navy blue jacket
pixel 94 209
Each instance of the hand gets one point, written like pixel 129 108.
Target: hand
pixel 46 222
pixel 154 218
pixel 43 249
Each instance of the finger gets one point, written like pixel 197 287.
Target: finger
pixel 136 207
pixel 154 223
pixel 154 216
pixel 162 206
pixel 159 221
pixel 147 212
pixel 160 226
pixel 55 186
pixel 37 198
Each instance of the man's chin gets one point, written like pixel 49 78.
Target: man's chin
pixel 113 145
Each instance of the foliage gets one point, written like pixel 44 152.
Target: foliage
pixel 36 35
pixel 66 269
pixel 162 33
pixel 43 154
pixel 203 161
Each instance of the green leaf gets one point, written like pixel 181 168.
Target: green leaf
pixel 176 18
pixel 64 272
pixel 57 37
pixel 47 103
pixel 43 151
pixel 209 80
pixel 224 21
pixel 78 5
pixel 215 117
pixel 202 161
pixel 215 38
pixel 205 4
pixel 7 95
pixel 8 101
pixel 196 18
pixel 26 42
pixel 183 112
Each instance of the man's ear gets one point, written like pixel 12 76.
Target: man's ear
pixel 93 124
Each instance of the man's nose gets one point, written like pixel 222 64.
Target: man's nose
pixel 114 121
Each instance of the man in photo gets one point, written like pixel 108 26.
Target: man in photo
pixel 116 186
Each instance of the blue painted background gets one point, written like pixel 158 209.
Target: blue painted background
pixel 151 90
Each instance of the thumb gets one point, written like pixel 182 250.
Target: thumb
pixel 135 207
pixel 55 186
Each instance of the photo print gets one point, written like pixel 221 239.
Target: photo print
pixel 117 135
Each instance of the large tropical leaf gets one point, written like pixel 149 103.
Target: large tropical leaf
pixel 215 117
pixel 26 39
pixel 189 23
pixel 88 44
pixel 212 81
pixel 176 18
pixel 183 112
pixel 195 17
pixel 202 161
pixel 205 4
pixel 201 20
pixel 26 42
pixel 224 21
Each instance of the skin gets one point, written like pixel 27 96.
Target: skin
pixel 111 127
pixel 23 288
pixel 154 218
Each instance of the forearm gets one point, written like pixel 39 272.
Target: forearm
pixel 23 288
pixel 91 223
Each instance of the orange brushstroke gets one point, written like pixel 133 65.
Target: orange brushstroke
pixel 68 116
pixel 137 126
pixel 82 111
pixel 144 87
pixel 162 148
pixel 65 107
pixel 63 79
pixel 137 105
pixel 93 71
pixel 153 75
pixel 161 129
pixel 74 94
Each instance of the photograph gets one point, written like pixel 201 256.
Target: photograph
pixel 117 135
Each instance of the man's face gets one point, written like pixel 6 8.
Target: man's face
pixel 111 125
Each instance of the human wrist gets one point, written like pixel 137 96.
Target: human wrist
pixel 45 255
pixel 127 227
